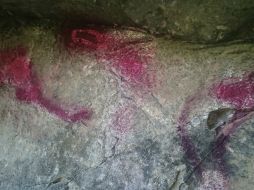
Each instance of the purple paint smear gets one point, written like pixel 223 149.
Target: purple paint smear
pixel 238 92
pixel 187 144
pixel 16 71
pixel 190 151
pixel 188 147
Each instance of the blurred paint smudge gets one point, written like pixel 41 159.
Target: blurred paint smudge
pixel 16 71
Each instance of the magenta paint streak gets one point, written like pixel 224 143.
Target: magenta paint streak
pixel 16 71
pixel 238 92
pixel 193 158
pixel 128 58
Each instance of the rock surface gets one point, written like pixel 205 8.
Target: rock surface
pixel 133 140
pixel 197 21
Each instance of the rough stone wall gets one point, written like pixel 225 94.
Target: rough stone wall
pixel 140 134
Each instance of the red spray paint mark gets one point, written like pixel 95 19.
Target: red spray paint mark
pixel 129 58
pixel 16 71
pixel 237 92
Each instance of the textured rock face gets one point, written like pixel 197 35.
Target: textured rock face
pixel 150 99
pixel 198 21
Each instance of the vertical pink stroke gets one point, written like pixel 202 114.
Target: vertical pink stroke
pixel 190 150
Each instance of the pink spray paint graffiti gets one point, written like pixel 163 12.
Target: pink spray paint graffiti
pixel 194 160
pixel 16 71
pixel 127 57
pixel 238 93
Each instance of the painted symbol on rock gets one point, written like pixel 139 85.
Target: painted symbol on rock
pixel 125 56
pixel 16 71
pixel 129 57
pixel 239 94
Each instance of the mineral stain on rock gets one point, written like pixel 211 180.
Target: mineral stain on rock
pixel 16 71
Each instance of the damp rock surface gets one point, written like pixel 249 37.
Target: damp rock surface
pixel 140 134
